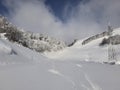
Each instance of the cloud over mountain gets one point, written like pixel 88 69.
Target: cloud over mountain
pixel 86 18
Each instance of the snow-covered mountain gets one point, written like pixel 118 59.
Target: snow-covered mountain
pixel 58 67
pixel 35 41
pixel 23 68
pixel 95 48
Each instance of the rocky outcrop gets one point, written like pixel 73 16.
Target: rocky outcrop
pixel 106 33
pixel 75 40
pixel 114 40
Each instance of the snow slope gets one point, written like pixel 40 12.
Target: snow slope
pixel 64 76
pixel 78 67
pixel 91 52
pixel 24 69
pixel 12 53
pixel 35 41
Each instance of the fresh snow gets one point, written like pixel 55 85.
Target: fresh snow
pixel 5 48
pixel 91 52
pixel 79 67
pixel 116 31
pixel 28 70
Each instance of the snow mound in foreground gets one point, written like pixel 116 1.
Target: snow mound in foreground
pixel 5 48
pixel 12 53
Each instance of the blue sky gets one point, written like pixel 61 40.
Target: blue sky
pixel 59 5
pixel 3 9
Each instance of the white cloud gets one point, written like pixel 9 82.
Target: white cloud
pixel 85 19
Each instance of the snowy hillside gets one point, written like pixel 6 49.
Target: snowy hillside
pixel 28 70
pixel 34 41
pixel 91 49
pixel 30 61
pixel 11 53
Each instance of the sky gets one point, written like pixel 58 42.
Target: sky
pixel 63 19
pixel 58 6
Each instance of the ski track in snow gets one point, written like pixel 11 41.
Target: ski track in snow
pixel 56 72
pixel 93 85
pixel 78 65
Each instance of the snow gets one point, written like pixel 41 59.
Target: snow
pixel 79 67
pixel 16 54
pixel 65 76
pixel 5 48
pixel 116 31
pixel 90 52
pixel 87 52
pixel 55 72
